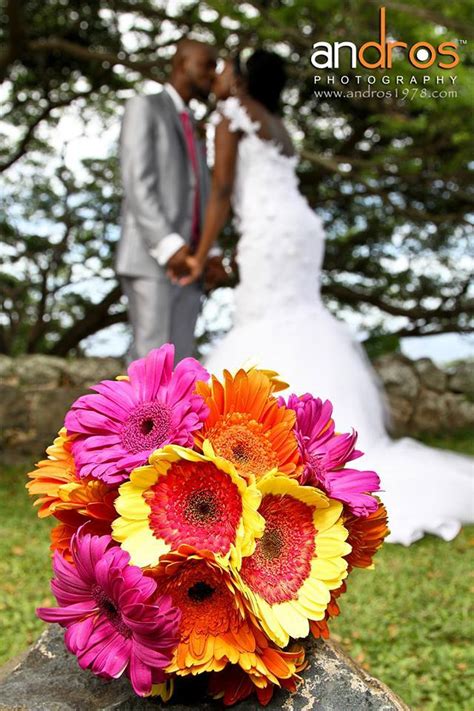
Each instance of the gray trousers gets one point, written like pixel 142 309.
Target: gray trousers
pixel 160 312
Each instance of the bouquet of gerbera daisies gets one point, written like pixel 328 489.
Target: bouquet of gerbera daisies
pixel 204 526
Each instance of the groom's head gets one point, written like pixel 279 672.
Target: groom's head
pixel 193 69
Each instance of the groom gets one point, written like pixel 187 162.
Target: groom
pixel 166 182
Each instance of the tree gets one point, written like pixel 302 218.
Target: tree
pixel 389 174
pixel 58 286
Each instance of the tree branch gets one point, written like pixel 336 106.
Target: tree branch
pixel 430 330
pixel 28 136
pixel 57 44
pixel 97 318
pixel 352 296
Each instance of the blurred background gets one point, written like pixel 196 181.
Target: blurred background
pixel 390 177
pixel 391 180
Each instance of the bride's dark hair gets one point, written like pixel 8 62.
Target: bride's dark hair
pixel 265 77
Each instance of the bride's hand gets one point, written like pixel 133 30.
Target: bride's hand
pixel 195 267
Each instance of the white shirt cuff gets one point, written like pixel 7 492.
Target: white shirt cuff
pixel 168 246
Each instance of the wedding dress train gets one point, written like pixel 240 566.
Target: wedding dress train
pixel 282 324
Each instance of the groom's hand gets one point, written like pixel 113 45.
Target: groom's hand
pixel 177 266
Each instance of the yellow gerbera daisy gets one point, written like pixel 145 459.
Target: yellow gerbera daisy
pixel 186 498
pixel 298 561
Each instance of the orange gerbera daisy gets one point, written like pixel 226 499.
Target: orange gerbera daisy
pixel 69 523
pixel 233 684
pixel 52 473
pixel 72 500
pixel 246 425
pixel 366 535
pixel 59 489
pixel 216 629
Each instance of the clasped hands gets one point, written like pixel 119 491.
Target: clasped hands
pixel 184 268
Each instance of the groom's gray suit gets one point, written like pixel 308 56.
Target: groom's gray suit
pixel 157 211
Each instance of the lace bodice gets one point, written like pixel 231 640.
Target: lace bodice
pixel 281 238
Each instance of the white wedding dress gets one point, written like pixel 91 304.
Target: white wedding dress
pixel 282 324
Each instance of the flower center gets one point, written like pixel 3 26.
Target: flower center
pixel 201 507
pixel 242 441
pixel 200 591
pixel 147 428
pixel 282 558
pixel 271 543
pixel 240 452
pixel 109 610
pixel 195 504
pixel 207 605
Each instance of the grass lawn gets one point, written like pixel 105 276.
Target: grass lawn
pixel 408 622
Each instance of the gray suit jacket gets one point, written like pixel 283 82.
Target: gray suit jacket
pixel 158 182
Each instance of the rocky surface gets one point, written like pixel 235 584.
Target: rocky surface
pixel 423 398
pixel 462 379
pixel 49 679
pixel 36 391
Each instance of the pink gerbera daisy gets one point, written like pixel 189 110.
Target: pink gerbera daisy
pixel 114 621
pixel 117 429
pixel 325 455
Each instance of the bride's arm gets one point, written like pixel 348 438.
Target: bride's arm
pixel 219 203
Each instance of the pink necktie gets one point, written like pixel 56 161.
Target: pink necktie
pixel 191 144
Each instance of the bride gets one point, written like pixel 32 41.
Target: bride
pixel 281 322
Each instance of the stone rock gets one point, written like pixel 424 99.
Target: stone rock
pixel 48 678
pixel 14 413
pixel 39 370
pixel 49 409
pixel 30 418
pixel 37 390
pixel 428 414
pixel 7 370
pixel 436 412
pixel 85 372
pixel 430 375
pixel 397 375
pixel 462 380
pixel 17 435
pixel 459 411
pixel 400 414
